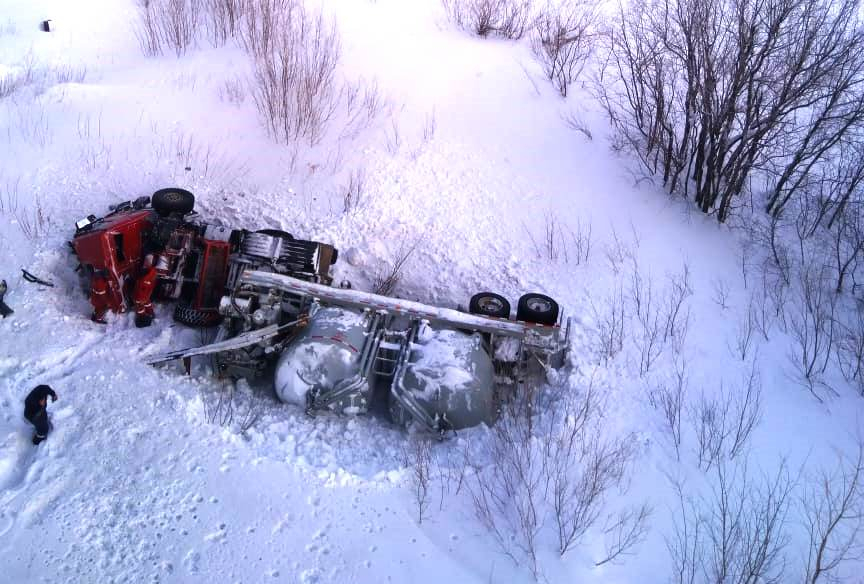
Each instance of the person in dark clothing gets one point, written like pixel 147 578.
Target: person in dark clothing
pixel 36 413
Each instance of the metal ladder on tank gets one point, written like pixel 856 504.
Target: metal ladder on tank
pixel 392 344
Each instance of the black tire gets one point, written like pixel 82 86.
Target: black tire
pixel 276 233
pixel 196 318
pixel 172 200
pixel 489 304
pixel 537 308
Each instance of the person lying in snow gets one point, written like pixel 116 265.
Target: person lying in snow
pixel 36 413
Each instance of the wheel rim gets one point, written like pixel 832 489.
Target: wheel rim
pixel 172 197
pixel 539 305
pixel 490 304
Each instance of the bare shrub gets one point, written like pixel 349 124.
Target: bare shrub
pixel 561 242
pixel 394 137
pixel 711 421
pixel 417 456
pixel 760 312
pixel 563 40
pixel 611 318
pixel 262 23
pixel 581 476
pixel 812 327
pixel 724 423
pixel 10 83
pixel 385 280
pixel 627 530
pixel 746 411
pixel 833 509
pixel 647 310
pixel 508 496
pixel 676 315
pixel 745 336
pixel 233 91
pixel 69 73
pixel 504 18
pixel 354 191
pixel 295 87
pixel 670 398
pixel 776 289
pixel 721 293
pixel 619 251
pixel 575 122
pixel 147 30
pixel 171 24
pixel 848 242
pixel 363 103
pixel 850 349
pixel 32 220
pixel 738 533
pixel 223 19
pixel 29 216
pixel 580 237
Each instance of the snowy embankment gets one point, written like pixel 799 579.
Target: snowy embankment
pixel 148 474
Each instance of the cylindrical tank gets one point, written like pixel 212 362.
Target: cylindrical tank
pixel 324 354
pixel 450 375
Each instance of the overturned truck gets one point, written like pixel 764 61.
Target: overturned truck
pixel 326 348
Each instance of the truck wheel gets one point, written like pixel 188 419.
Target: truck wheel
pixel 537 308
pixel 172 200
pixel 489 304
pixel 196 318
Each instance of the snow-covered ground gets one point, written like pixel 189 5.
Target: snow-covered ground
pixel 472 158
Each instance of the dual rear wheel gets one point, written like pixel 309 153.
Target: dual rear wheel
pixel 532 307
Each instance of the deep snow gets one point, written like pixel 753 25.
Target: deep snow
pixel 137 484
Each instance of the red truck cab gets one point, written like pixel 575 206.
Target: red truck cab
pixel 140 252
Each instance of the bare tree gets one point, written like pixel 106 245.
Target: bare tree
pixel 563 40
pixel 710 93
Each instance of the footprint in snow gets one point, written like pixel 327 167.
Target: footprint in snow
pixel 191 561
